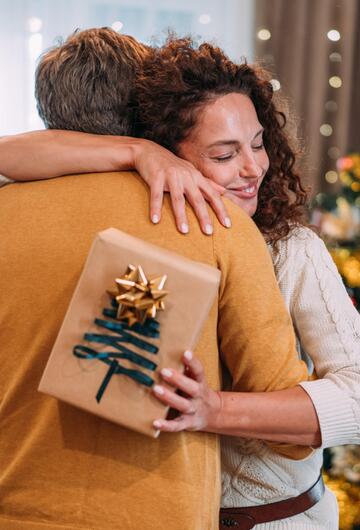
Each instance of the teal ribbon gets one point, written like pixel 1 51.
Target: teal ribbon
pixel 122 334
pixel 151 328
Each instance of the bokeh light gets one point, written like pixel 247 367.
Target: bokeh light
pixel 326 129
pixel 275 84
pixel 333 35
pixel 117 25
pixel 335 81
pixel 331 106
pixel 205 19
pixel 264 34
pixel 34 24
pixel 334 152
pixel 335 57
pixel 331 177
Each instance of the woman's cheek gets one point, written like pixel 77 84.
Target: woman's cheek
pixel 223 173
pixel 265 162
pixel 214 172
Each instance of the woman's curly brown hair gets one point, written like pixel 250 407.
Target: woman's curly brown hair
pixel 179 78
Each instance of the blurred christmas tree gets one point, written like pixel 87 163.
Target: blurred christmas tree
pixel 343 478
pixel 338 219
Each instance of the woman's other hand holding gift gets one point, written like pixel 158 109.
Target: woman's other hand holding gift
pixel 198 405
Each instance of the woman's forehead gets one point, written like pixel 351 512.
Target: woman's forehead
pixel 231 114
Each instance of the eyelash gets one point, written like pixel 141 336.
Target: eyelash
pixel 229 157
pixel 258 147
pixel 223 159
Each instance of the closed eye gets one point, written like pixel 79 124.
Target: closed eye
pixel 258 147
pixel 223 158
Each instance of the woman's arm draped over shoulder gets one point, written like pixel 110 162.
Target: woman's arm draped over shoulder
pixel 52 153
pixel 328 327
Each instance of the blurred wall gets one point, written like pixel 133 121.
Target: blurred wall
pixel 28 27
pixel 313 50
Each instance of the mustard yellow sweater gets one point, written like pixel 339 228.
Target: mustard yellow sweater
pixel 61 468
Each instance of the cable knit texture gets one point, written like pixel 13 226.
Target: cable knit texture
pixel 328 331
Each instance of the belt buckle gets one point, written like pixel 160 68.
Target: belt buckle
pixel 240 521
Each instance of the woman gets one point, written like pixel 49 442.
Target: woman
pixel 222 118
pixel 214 113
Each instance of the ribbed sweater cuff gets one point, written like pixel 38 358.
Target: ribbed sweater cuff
pixel 335 412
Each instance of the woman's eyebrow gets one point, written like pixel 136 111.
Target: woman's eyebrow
pixel 225 142
pixel 234 142
pixel 260 131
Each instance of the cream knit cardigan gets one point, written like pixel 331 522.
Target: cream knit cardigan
pixel 328 331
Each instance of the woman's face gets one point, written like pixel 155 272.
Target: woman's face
pixel 226 146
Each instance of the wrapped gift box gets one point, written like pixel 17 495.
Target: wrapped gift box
pixel 107 366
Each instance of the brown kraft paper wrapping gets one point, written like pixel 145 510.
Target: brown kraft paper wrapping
pixel 192 288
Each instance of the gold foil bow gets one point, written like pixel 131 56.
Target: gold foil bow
pixel 138 297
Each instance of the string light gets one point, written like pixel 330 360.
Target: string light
pixel 275 84
pixel 331 177
pixel 333 35
pixel 326 129
pixel 34 24
pixel 334 152
pixel 335 57
pixel 264 34
pixel 117 25
pixel 331 106
pixel 204 19
pixel 335 81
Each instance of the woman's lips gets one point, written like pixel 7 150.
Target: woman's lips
pixel 245 192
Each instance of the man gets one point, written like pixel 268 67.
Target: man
pixel 61 467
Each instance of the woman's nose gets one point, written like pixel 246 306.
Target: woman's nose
pixel 249 166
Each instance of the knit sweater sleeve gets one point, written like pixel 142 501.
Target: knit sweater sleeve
pixel 328 327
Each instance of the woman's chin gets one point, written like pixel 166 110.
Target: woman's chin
pixel 248 205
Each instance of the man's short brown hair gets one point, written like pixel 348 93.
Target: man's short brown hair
pixel 86 83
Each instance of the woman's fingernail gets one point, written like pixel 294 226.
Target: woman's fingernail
pixel 227 222
pixel 157 424
pixel 155 218
pixel 208 229
pixel 166 372
pixel 159 390
pixel 188 355
pixel 184 228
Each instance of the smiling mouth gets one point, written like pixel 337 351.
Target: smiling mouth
pixel 245 192
pixel 249 189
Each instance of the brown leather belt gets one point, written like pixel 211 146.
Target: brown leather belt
pixel 247 517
